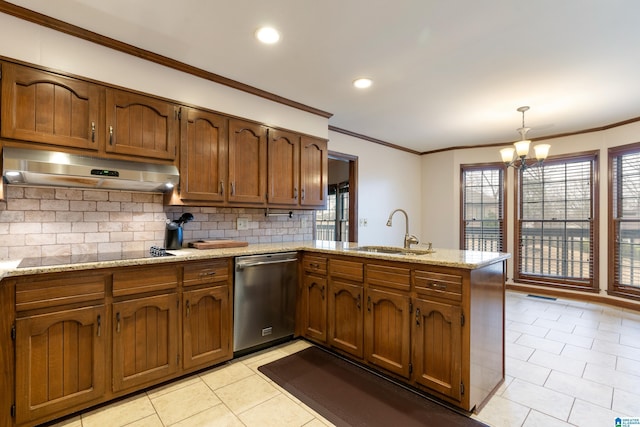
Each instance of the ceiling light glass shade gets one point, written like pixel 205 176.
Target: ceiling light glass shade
pixel 268 35
pixel 507 154
pixel 542 151
pixel 522 147
pixel 362 83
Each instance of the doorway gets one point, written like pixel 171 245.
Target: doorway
pixel 338 222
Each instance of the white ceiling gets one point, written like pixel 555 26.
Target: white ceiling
pixel 446 73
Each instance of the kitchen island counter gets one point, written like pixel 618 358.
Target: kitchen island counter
pixel 468 260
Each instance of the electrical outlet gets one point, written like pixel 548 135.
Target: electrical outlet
pixel 243 223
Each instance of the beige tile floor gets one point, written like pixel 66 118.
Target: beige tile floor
pixel 568 363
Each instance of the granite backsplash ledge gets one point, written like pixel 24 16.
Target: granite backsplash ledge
pixel 42 221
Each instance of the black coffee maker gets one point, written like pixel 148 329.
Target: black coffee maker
pixel 173 232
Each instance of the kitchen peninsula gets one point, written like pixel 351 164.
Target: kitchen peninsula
pixel 434 321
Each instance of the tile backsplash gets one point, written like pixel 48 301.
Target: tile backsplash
pixel 44 221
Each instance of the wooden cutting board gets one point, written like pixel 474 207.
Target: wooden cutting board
pixel 217 244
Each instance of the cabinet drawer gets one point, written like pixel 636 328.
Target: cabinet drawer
pixel 206 272
pixel 314 264
pixel 57 290
pixel 389 277
pixel 141 280
pixel 439 284
pixel 346 269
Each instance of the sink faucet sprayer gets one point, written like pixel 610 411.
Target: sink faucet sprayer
pixel 408 238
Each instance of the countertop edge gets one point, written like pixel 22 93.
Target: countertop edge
pixel 469 260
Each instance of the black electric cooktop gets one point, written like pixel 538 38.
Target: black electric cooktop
pixel 49 261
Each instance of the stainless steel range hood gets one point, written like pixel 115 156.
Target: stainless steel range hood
pixel 38 167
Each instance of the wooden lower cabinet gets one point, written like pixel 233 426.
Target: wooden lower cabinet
pixel 346 330
pixel 437 347
pixel 60 362
pixel 145 340
pixel 207 324
pixel 387 331
pixel 314 306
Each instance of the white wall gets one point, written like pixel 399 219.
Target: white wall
pixel 387 179
pixel 441 186
pixel 38 45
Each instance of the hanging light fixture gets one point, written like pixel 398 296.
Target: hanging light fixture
pixel 522 148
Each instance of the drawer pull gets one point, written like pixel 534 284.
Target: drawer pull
pixel 316 266
pixel 208 273
pixel 439 286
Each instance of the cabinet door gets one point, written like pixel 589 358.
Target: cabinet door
pixel 247 163
pixel 206 323
pixel 437 341
pixel 203 156
pixel 139 125
pixel 345 317
pixel 44 107
pixel 284 167
pixel 387 329
pixel 60 361
pixel 145 340
pixel 314 308
pixel 313 172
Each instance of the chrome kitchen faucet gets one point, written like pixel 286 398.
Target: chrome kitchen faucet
pixel 408 238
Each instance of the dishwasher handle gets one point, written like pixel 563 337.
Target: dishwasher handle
pixel 241 265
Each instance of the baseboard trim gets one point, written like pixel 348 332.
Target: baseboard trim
pixel 600 299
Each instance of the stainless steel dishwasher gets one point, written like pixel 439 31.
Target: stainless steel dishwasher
pixel 264 300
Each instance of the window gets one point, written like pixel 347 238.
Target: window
pixel 482 227
pixel 332 223
pixel 556 217
pixel 624 220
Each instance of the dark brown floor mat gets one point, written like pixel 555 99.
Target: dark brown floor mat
pixel 348 395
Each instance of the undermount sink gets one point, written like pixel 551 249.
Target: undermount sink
pixel 391 250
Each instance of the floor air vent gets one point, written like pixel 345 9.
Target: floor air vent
pixel 541 297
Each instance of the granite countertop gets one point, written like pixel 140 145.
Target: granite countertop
pixel 440 257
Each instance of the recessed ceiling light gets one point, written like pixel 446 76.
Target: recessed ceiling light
pixel 362 83
pixel 268 35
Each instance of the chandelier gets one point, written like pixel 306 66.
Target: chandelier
pixel 522 148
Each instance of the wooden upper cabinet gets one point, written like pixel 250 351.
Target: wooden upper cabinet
pixel 203 152
pixel 314 166
pixel 247 163
pixel 284 167
pixel 141 126
pixel 47 108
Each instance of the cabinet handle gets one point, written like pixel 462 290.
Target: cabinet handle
pixel 358 302
pixel 233 190
pixel 110 135
pixel 188 308
pixel 99 325
pixel 439 286
pixel 369 303
pixel 302 191
pixel 93 131
pixel 221 187
pixel 316 266
pixel 417 317
pixel 295 193
pixel 322 291
pixel 207 274
pixel 118 322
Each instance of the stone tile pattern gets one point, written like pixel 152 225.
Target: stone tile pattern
pixel 569 363
pixel 40 221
